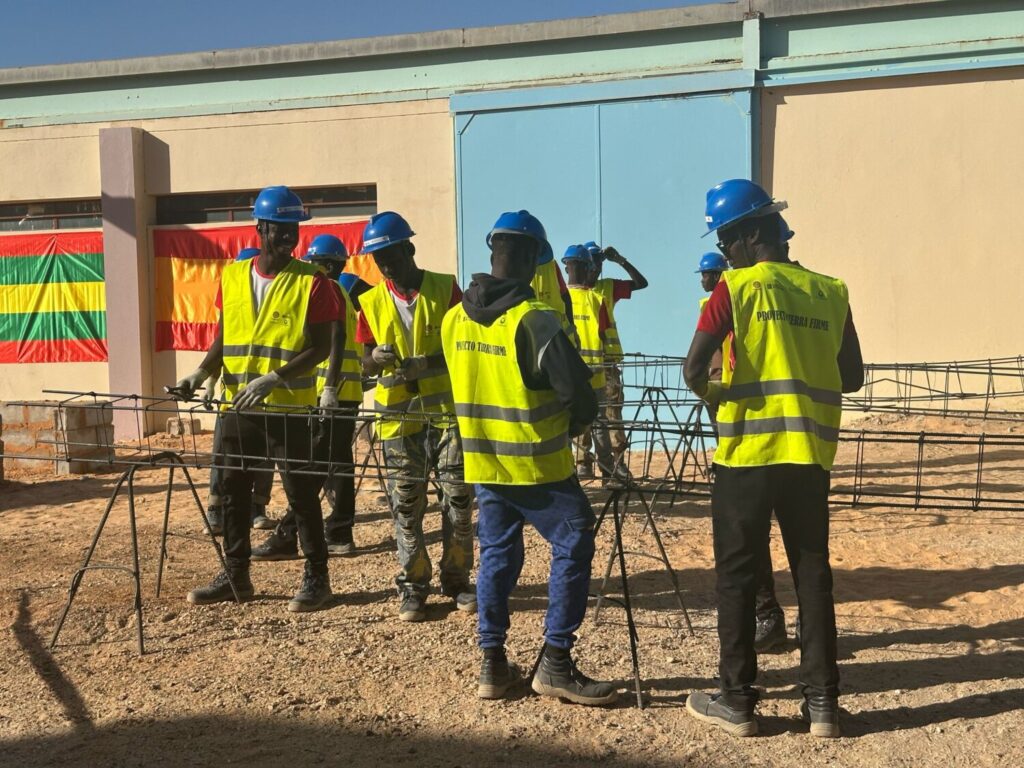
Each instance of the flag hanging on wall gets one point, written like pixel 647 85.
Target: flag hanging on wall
pixel 188 263
pixel 52 298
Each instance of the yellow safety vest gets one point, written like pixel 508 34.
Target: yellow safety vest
pixel 350 379
pixel 784 403
pixel 586 311
pixel 726 348
pixel 549 291
pixel 612 344
pixel 434 393
pixel 255 345
pixel 511 435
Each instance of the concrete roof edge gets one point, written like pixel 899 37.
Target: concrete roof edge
pixel 421 42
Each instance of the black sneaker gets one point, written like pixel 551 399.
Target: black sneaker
pixel 496 674
pixel 822 713
pixel 277 547
pixel 585 470
pixel 711 709
pixel 219 590
pixel 557 675
pixel 314 592
pixel 342 542
pixel 215 517
pixel 413 608
pixel 464 597
pixel 770 633
pixel 258 519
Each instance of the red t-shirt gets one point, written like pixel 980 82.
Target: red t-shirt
pixel 622 289
pixel 363 333
pixel 324 303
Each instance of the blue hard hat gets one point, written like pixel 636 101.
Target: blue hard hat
pixel 734 200
pixel 787 233
pixel 347 280
pixel 247 253
pixel 523 223
pixel 595 251
pixel 279 204
pixel 384 229
pixel 577 253
pixel 326 247
pixel 712 262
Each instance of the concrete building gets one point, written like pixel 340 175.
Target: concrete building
pixel 890 127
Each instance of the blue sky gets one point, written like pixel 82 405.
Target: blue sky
pixel 59 31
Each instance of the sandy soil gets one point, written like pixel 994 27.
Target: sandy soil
pixel 929 603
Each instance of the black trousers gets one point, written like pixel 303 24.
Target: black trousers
pixel 288 440
pixel 742 502
pixel 334 451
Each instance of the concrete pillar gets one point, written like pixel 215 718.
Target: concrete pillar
pixel 126 213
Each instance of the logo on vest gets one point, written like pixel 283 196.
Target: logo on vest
pixel 278 319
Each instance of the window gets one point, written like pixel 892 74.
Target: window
pixel 321 202
pixel 53 214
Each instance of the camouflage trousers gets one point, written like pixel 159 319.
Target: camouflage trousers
pixel 408 461
pixel 606 435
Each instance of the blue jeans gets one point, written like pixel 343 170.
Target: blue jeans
pixel 561 514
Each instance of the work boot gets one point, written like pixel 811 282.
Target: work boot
pixel 314 592
pixel 770 633
pixel 496 674
pixel 822 713
pixel 215 517
pixel 585 470
pixel 258 518
pixel 557 675
pixel 618 479
pixel 464 597
pixel 219 590
pixel 413 608
pixel 277 546
pixel 341 542
pixel 711 709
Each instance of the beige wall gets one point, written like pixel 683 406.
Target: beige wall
pixel 26 381
pixel 406 148
pixel 910 189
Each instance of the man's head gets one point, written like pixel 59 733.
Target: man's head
pixel 597 262
pixel 751 240
pixel 578 264
pixel 519 244
pixel 387 236
pixel 710 268
pixel 746 220
pixel 328 252
pixel 278 211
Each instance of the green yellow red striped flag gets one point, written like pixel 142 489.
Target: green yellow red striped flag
pixel 52 299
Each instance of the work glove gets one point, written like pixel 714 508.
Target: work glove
pixel 329 398
pixel 384 355
pixel 413 367
pixel 186 388
pixel 210 392
pixel 256 391
pixel 713 394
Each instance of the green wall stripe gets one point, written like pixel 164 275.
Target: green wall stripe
pixel 49 326
pixel 52 268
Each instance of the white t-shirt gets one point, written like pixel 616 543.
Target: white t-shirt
pixel 260 286
pixel 406 311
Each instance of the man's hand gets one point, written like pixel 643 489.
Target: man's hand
pixel 384 355
pixel 256 391
pixel 613 256
pixel 413 367
pixel 210 392
pixel 329 398
pixel 186 388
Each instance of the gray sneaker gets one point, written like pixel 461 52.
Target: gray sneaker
pixel 215 517
pixel 276 547
pixel 219 590
pixel 258 519
pixel 711 709
pixel 413 608
pixel 314 592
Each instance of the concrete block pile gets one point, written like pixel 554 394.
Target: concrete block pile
pixel 43 437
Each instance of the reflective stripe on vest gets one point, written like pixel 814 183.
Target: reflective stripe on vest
pixel 548 289
pixel 510 435
pixel 255 345
pixel 350 377
pixel 586 310
pixel 434 388
pixel 613 345
pixel 783 404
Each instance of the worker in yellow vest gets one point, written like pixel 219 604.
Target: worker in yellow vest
pixel 521 389
pixel 400 330
pixel 549 287
pixel 592 322
pixel 796 352
pixel 340 391
pixel 276 314
pixel 613 291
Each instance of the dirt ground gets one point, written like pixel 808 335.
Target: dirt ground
pixel 930 608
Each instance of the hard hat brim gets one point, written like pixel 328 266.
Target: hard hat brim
pixel 756 213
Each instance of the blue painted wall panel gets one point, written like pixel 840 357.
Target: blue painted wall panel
pixel 632 174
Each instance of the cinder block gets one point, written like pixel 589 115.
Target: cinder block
pixel 87 415
pixel 29 465
pixel 178 426
pixel 19 440
pixel 41 412
pixel 12 413
pixel 81 466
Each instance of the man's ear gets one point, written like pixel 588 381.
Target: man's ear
pixel 410 249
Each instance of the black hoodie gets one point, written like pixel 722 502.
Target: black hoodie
pixel 547 358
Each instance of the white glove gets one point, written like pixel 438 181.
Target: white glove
pixel 413 367
pixel 329 397
pixel 257 390
pixel 210 391
pixel 186 388
pixel 384 355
